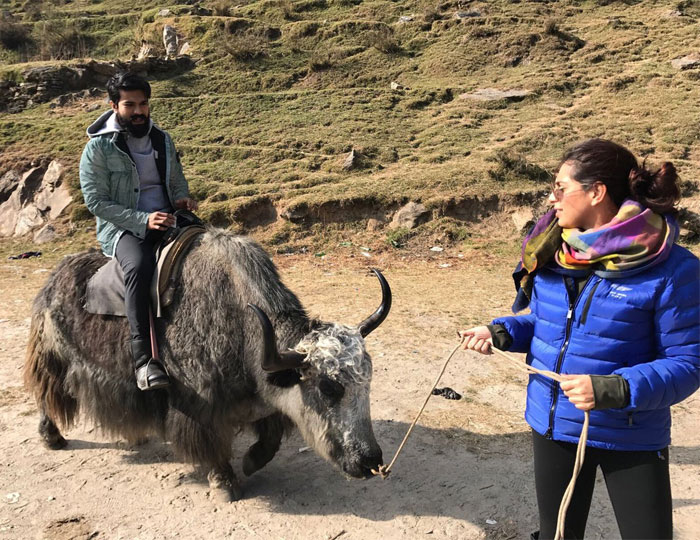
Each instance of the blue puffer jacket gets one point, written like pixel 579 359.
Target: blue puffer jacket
pixel 644 327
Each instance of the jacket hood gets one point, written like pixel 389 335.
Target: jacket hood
pixel 107 123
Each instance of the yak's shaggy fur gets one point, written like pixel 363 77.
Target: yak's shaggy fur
pixel 76 358
pixel 212 346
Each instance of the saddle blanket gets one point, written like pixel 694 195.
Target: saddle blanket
pixel 105 289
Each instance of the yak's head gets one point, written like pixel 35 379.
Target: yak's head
pixel 326 378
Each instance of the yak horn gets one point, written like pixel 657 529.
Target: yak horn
pixel 272 361
pixel 377 318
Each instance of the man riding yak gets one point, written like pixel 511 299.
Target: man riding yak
pixel 241 351
pixel 132 181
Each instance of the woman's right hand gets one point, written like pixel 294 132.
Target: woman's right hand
pixel 477 339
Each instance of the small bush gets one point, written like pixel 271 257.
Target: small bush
pixel 61 41
pixel 14 36
pixel 222 8
pixel 321 61
pixel 514 167
pixel 287 8
pixel 551 28
pixel 32 10
pixel 246 46
pixel 398 237
pixel 383 40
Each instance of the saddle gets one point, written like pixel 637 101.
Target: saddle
pixel 105 289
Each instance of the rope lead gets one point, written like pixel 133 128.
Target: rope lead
pixel 384 470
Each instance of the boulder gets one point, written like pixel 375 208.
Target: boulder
pixel 493 94
pixel 170 41
pixel 46 234
pixel 8 183
pixel 687 62
pixel 39 196
pixel 523 219
pixel 350 161
pixel 410 216
pixel 374 225
pixel 466 14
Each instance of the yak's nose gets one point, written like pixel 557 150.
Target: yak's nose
pixel 372 461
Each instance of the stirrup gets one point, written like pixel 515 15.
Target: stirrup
pixel 152 376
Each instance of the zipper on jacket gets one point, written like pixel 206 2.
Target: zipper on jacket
pixel 587 305
pixel 562 351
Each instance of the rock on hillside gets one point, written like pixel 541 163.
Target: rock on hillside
pixel 29 201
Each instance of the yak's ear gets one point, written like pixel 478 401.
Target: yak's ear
pixel 284 379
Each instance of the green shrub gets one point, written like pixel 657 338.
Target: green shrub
pixel 14 36
pixel 59 40
pixel 514 167
pixel 246 46
pixel 222 8
pixel 383 40
pixel 398 237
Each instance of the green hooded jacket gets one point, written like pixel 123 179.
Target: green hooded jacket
pixel 110 182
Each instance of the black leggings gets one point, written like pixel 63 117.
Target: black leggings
pixel 137 258
pixel 638 485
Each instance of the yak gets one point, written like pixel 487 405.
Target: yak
pixel 241 351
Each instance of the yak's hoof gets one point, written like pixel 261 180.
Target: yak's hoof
pixel 55 443
pixel 255 459
pixel 249 465
pixel 224 487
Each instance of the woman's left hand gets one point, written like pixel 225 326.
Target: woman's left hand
pixel 579 390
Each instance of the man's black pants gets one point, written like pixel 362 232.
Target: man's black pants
pixel 638 485
pixel 137 258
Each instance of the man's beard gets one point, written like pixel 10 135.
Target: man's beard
pixel 137 130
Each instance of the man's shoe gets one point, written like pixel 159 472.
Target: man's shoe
pixel 152 376
pixel 150 373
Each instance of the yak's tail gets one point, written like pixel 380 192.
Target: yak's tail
pixel 45 374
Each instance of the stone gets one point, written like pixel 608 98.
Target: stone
pixel 40 195
pixel 28 218
pixel 145 51
pixel 94 107
pixel 397 87
pixel 8 184
pixel 53 196
pixel 406 18
pixel 374 225
pixel 46 234
pixel 185 49
pixel 410 216
pixel 690 61
pixel 493 94
pixel 164 13
pixel 523 219
pixel 350 161
pixel 170 41
pixel 466 14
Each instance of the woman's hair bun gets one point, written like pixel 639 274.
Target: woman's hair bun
pixel 659 190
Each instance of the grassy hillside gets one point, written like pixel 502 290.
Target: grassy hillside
pixel 285 89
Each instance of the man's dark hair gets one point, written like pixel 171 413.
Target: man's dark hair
pixel 126 80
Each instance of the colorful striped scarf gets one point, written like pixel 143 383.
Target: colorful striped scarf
pixel 633 241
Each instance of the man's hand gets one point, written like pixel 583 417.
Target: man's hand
pixel 477 339
pixel 160 221
pixel 579 390
pixel 186 204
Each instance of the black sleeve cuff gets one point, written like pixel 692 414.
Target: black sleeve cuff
pixel 499 335
pixel 610 392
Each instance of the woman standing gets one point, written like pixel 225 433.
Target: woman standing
pixel 614 307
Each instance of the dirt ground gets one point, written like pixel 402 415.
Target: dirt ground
pixel 466 471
